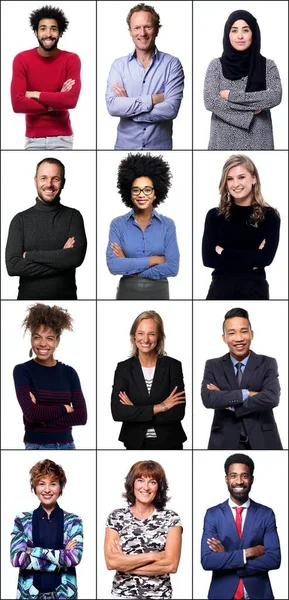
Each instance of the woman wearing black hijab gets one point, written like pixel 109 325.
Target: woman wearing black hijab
pixel 240 88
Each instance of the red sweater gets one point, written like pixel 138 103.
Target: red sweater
pixel 35 73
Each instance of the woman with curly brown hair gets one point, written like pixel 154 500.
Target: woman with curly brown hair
pixel 142 244
pixel 241 236
pixel 143 541
pixel 48 391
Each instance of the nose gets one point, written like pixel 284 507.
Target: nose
pixel 240 35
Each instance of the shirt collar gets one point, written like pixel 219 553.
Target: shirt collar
pixel 245 505
pixel 244 360
pixel 42 514
pixel 133 54
pixel 154 214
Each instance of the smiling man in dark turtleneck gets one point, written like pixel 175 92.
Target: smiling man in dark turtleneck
pixel 47 241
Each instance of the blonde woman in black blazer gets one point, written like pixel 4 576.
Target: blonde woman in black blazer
pixel 148 390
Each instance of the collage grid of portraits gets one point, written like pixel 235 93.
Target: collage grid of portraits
pixel 175 194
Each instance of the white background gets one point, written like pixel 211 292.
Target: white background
pixel 114 41
pixel 114 321
pixel 273 171
pixel 79 38
pixel 208 44
pixel 76 349
pixel 177 206
pixel 79 192
pixel 17 497
pixel 112 468
pixel 270 488
pixel 269 322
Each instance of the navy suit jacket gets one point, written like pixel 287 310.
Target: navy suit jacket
pixel 228 566
pixel 260 375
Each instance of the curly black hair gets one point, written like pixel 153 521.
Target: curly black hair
pixel 52 317
pixel 49 12
pixel 144 165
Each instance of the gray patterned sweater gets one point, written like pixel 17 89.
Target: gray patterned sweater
pixel 234 124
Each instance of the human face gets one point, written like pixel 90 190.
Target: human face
pixel 238 337
pixel 48 491
pixel 239 185
pixel 143 30
pixel 240 35
pixel 145 489
pixel 48 35
pixel 142 202
pixel 44 343
pixel 146 336
pixel 239 482
pixel 48 182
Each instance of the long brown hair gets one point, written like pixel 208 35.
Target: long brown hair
pixel 147 468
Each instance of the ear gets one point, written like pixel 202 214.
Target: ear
pixel 254 179
pixel 63 183
pixel 252 479
pixel 35 182
pixel 57 342
pixel 223 338
pixel 252 334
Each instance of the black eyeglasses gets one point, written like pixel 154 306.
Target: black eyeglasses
pixel 147 190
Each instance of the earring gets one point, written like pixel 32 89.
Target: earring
pixel 30 353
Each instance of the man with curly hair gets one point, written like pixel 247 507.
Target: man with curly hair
pixel 145 88
pixel 46 242
pixel 47 543
pixel 46 83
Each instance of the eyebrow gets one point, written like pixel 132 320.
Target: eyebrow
pixel 243 473
pixel 237 175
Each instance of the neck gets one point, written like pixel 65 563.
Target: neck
pixel 240 358
pixel 143 214
pixel 237 501
pixel 49 362
pixel 147 359
pixel 142 510
pixel 244 202
pixel 46 54
pixel 144 56
pixel 49 509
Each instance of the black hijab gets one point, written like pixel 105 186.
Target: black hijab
pixel 237 64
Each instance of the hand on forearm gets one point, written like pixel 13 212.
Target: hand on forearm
pixel 215 545
pixel 213 387
pixel 124 399
pixel 219 249
pixel 68 85
pixel 252 393
pixel 172 400
pixel 224 94
pixel 255 551
pixel 34 95
pixel 158 98
pixel 69 408
pixel 69 243
pixel 119 90
pixel 156 260
pixel 117 251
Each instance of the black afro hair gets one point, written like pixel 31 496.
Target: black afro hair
pixel 144 165
pixel 49 12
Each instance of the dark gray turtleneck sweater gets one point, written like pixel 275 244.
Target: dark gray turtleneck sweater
pixel 48 270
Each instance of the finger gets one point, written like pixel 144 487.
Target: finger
pixel 173 392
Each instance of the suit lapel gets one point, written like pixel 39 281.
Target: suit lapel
pixel 250 517
pixel 138 377
pixel 158 376
pixel 251 366
pixel 229 519
pixel 229 372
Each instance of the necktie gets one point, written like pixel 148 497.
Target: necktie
pixel 239 372
pixel 239 593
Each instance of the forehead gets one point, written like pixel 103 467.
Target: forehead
pixel 48 478
pixel 49 169
pixel 237 170
pixel 236 323
pixel 45 331
pixel 146 477
pixel 142 182
pixel 141 17
pixel 238 468
pixel 147 325
pixel 240 23
pixel 48 23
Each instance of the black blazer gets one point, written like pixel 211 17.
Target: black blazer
pixel 260 375
pixel 137 419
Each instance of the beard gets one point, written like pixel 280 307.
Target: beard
pixel 49 201
pixel 241 496
pixel 50 48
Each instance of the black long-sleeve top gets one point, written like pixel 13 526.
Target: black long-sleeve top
pixel 240 239
pixel 48 270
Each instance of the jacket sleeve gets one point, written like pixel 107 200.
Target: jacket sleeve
pixel 216 561
pixel 64 258
pixel 33 413
pixel 79 414
pixel 124 412
pixel 122 266
pixel 20 103
pixel 268 396
pixel 176 413
pixel 263 100
pixel 218 399
pixel 271 559
pixel 15 263
pixel 219 106
pixel 123 106
pixel 173 91
pixel 65 100
pixel 170 267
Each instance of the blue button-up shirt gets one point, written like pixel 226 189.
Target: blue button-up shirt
pixel 158 239
pixel 144 126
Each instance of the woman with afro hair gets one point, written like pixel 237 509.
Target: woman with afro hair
pixel 142 244
pixel 48 391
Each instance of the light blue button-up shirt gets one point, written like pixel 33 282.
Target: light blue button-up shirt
pixel 144 126
pixel 158 239
pixel 245 393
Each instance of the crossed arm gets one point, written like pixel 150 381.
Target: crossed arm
pixel 25 556
pixel 147 563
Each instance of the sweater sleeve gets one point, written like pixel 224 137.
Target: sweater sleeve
pixel 33 412
pixel 170 267
pixel 20 103
pixel 219 106
pixel 79 414
pixel 124 412
pixel 64 258
pixel 124 106
pixel 65 100
pixel 15 263
pixel 264 99
pixel 122 266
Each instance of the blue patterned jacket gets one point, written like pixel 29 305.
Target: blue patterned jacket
pixel 44 559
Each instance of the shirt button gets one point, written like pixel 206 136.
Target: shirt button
pixel 144 81
pixel 144 129
pixel 144 145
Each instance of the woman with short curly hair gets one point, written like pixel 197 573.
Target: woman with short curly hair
pixel 241 236
pixel 48 391
pixel 142 243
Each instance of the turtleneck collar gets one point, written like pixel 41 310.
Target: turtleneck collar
pixel 48 207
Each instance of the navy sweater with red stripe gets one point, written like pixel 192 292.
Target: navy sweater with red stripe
pixel 47 421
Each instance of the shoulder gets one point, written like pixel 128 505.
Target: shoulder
pixel 126 364
pixel 23 517
pixel 168 515
pixel 169 58
pixel 69 56
pixel 71 518
pixel 120 62
pixel 25 55
pixel 212 214
pixel 120 220
pixel 263 358
pixel 22 367
pixel 168 222
pixel 23 214
pixel 262 507
pixel 271 214
pixel 169 361
pixel 217 361
pixel 117 517
pixel 214 65
pixel 270 64
pixel 66 369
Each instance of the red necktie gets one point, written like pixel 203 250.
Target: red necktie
pixel 239 593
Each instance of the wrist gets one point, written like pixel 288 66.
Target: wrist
pixel 164 406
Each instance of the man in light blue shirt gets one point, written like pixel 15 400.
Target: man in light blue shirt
pixel 145 88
